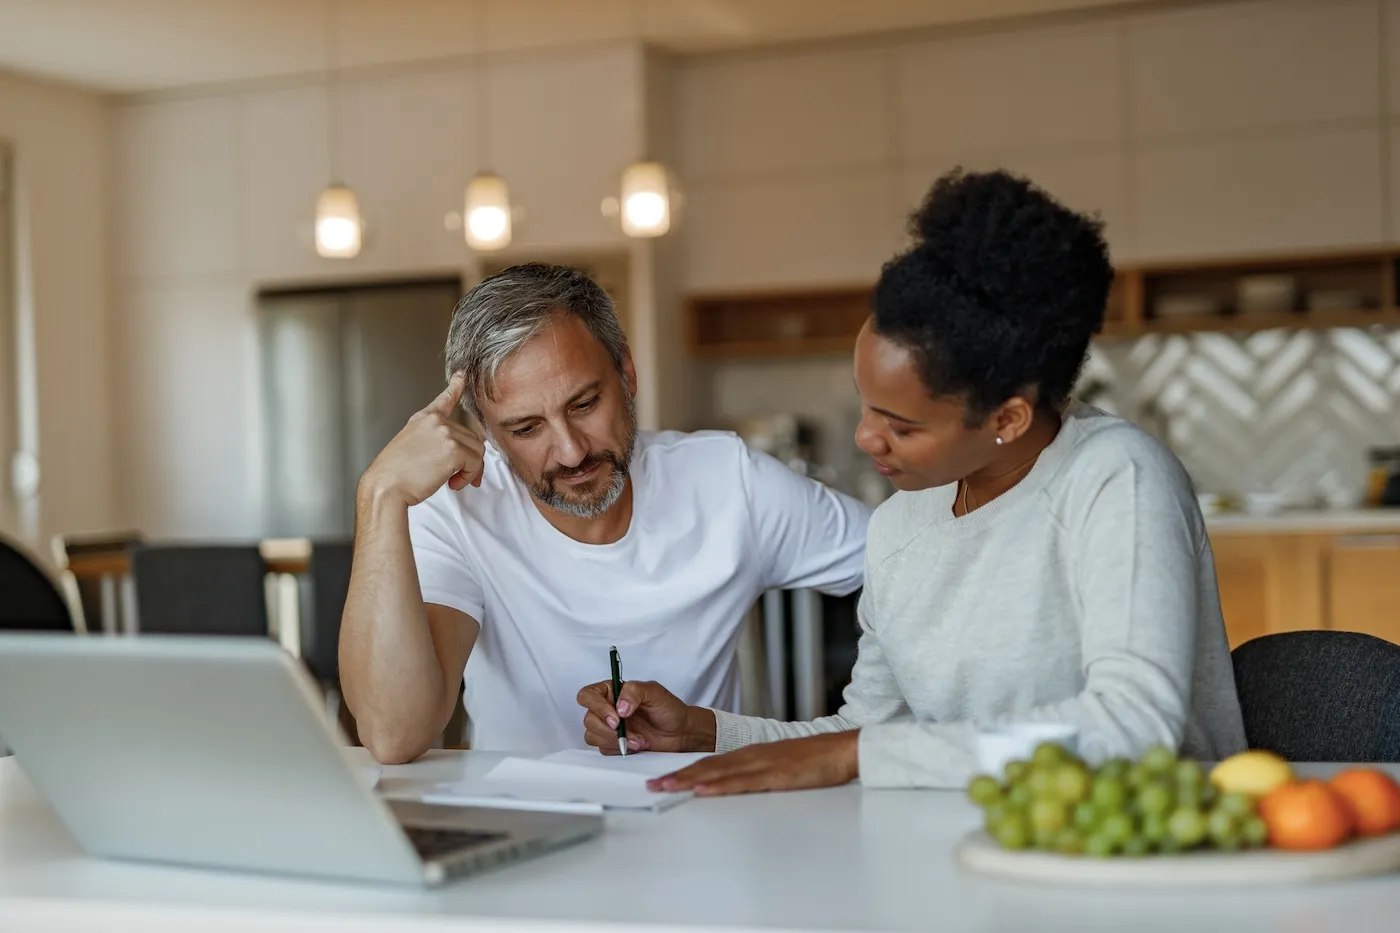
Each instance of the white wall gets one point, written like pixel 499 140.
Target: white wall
pixel 60 136
pixel 215 198
pixel 1225 128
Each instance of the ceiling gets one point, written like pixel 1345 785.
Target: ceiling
pixel 126 46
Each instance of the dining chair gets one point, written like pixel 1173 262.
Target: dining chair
pixel 31 601
pixel 200 589
pixel 96 595
pixel 1321 695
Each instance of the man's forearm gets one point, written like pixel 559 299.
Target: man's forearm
pixel 390 673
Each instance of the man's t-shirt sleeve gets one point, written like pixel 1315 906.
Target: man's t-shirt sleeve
pixel 808 535
pixel 447 575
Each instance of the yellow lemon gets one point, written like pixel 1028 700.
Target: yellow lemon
pixel 1254 773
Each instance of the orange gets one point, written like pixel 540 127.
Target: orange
pixel 1373 797
pixel 1306 815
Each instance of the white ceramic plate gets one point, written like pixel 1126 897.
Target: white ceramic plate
pixel 979 853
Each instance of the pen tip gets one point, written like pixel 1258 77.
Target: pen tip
pixel 622 746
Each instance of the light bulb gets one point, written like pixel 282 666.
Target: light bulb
pixel 487 212
pixel 488 223
pixel 646 200
pixel 338 227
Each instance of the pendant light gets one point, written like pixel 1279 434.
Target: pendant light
pixel 646 199
pixel 647 189
pixel 486 211
pixel 339 229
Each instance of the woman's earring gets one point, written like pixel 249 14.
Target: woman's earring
pixel 1000 442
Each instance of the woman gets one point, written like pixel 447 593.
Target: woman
pixel 1041 561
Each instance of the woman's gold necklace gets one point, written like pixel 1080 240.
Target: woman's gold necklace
pixel 966 486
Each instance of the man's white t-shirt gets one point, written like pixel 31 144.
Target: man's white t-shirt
pixel 714 525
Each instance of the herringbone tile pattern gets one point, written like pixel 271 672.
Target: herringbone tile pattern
pixel 1292 413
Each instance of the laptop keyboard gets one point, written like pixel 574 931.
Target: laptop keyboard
pixel 432 843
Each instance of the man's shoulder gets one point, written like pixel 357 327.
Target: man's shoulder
pixel 689 444
pixel 686 456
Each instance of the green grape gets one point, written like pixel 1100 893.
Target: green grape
pixel 1137 776
pixel 1114 768
pixel 1085 817
pixel 1169 845
pixel 1042 780
pixel 1238 805
pixel 1118 827
pixel 984 790
pixel 1190 773
pixel 1048 815
pixel 1072 782
pixel 1187 826
pixel 1253 831
pixel 1011 832
pixel 1190 798
pixel 1069 842
pixel 996 812
pixel 1015 770
pixel 1155 798
pixel 1137 846
pixel 1154 828
pixel 1209 795
pixel 1158 760
pixel 1020 795
pixel 1043 839
pixel 1108 794
pixel 1048 754
pixel 1099 846
pixel 1224 830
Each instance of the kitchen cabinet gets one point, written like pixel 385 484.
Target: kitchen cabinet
pixel 1364 585
pixel 1270 583
pixel 1285 581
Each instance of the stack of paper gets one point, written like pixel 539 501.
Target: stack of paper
pixel 577 781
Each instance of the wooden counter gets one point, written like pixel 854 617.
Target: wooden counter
pixel 1309 570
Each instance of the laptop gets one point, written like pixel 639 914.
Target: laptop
pixel 217 752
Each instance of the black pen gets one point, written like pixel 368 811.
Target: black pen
pixel 617 692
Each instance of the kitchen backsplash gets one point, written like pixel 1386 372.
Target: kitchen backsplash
pixel 1289 413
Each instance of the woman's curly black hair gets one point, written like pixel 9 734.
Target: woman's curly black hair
pixel 1001 293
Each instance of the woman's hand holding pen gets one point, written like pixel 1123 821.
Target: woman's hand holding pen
pixel 656 719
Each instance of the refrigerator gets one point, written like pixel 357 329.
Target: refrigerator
pixel 343 369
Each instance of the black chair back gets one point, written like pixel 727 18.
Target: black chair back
pixel 30 601
pixel 1321 695
pixel 329 570
pixel 200 590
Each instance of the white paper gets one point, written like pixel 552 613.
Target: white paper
pixel 552 784
pixel 646 764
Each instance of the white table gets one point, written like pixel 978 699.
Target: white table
pixel 838 859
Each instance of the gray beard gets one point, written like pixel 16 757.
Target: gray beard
pixel 545 493
pixel 558 501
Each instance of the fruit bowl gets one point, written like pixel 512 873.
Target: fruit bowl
pixel 1165 820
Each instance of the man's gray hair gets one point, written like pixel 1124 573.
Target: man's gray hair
pixel 504 311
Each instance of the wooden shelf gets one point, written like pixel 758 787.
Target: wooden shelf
pixel 1251 323
pixel 814 322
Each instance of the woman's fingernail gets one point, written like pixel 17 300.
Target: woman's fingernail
pixel 634 742
pixel 612 722
pixel 624 708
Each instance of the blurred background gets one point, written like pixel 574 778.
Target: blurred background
pixel 232 232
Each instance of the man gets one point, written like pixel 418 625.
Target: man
pixel 520 560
